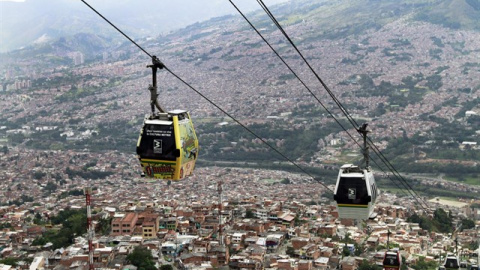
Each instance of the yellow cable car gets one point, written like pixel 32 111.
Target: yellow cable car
pixel 168 146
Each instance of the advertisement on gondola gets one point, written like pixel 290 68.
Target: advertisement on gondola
pixel 189 147
pixel 158 151
pixel 168 150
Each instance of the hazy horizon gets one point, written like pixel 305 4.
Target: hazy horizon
pixel 24 21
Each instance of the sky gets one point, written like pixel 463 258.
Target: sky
pixel 22 22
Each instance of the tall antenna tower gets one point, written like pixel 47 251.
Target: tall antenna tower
pixel 220 232
pixel 90 230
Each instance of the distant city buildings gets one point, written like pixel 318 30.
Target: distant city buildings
pixel 77 57
pixel 17 85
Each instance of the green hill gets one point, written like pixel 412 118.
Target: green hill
pixel 352 17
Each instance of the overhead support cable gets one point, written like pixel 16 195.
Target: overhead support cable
pixel 337 102
pixel 342 108
pixel 154 58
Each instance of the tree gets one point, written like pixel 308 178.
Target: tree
pixel 50 187
pixel 424 265
pixel 104 226
pixel 10 261
pixel 166 267
pixel 142 258
pixel 365 265
pixel 286 181
pixel 5 149
pixel 442 220
pixel 358 249
pixel 38 175
pixel 290 251
pixel 249 214
pixel 467 224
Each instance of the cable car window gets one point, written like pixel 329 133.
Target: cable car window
pixel 158 142
pixel 352 190
pixel 374 192
pixel 453 263
pixel 391 259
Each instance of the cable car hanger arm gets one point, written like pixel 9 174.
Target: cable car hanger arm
pixel 156 64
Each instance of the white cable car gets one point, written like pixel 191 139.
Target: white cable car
pixel 355 191
pixel 451 262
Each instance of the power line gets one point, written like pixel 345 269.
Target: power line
pixel 210 101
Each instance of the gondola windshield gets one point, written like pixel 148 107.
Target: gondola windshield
pixel 391 260
pixel 158 141
pixel 168 146
pixel 352 190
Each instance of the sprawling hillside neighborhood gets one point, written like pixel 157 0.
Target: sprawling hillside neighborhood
pixel 69 122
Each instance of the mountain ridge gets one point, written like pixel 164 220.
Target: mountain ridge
pixel 24 22
pixel 336 20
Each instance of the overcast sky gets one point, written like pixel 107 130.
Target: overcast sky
pixel 23 22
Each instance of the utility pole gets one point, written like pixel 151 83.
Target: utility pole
pixel 220 221
pixel 388 240
pixel 90 230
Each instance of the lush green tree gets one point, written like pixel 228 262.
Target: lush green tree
pixel 39 241
pixel 39 175
pixel 290 251
pixel 5 225
pixel 104 226
pixel 166 267
pixel 424 265
pixel 467 224
pixel 249 214
pixel 10 261
pixel 26 198
pixel 442 220
pixel 74 223
pixel 142 258
pixel 365 265
pixel 358 249
pixel 404 264
pixel 345 251
pixel 50 187
pixel 285 181
pixel 474 245
pixel 5 149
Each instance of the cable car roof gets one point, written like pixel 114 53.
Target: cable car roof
pixel 348 166
pixel 177 111
pixel 157 122
pixel 351 175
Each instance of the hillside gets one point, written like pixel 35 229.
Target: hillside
pixel 413 81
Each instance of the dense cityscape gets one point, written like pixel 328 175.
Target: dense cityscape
pixel 70 121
